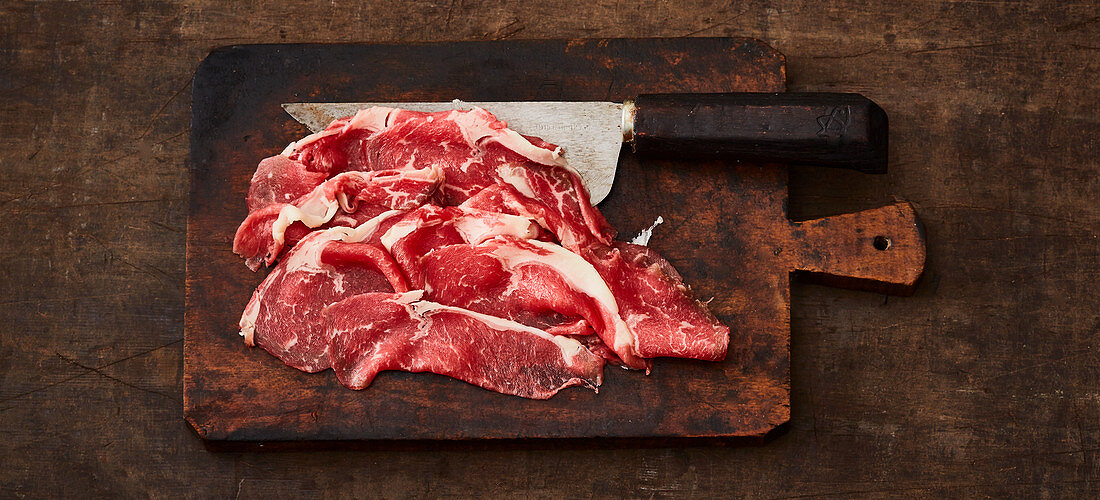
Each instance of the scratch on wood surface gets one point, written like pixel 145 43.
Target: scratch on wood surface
pixel 32 192
pixel 996 3
pixel 846 56
pixel 166 226
pixel 241 38
pixel 504 33
pixel 16 90
pixel 813 408
pixel 450 14
pixel 150 269
pixel 1086 453
pixel 156 115
pixel 1045 266
pixel 956 47
pixel 723 22
pixel 142 353
pixel 1001 210
pixel 100 372
pixel 32 391
pixel 74 377
pixel 850 493
pixel 97 166
pixel 922 25
pixel 1052 453
pixel 1062 359
pixel 119 202
pixel 1075 26
pixel 933 487
pixel 62 299
pixel 1024 237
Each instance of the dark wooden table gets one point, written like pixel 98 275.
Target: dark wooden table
pixel 987 381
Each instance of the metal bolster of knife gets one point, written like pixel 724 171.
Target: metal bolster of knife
pixel 627 126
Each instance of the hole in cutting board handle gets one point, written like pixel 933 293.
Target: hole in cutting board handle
pixel 881 243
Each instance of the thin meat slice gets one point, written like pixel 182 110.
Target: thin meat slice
pixel 538 296
pixel 429 228
pixel 660 310
pixel 531 282
pixel 361 195
pixel 375 332
pixel 342 145
pixel 284 314
pixel 279 179
pixel 364 212
pixel 558 200
pixel 568 228
pixel 473 277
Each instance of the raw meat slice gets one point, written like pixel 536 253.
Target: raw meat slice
pixel 264 233
pixel 340 147
pixel 284 315
pixel 378 331
pixel 471 277
pixel 656 304
pixel 364 212
pixel 429 228
pixel 560 201
pixel 279 179
pixel 531 282
pixel 569 229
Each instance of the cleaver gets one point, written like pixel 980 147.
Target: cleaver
pixel 824 129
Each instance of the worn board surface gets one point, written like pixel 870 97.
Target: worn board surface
pixel 983 383
pixel 726 231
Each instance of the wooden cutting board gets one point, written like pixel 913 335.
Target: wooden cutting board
pixel 726 231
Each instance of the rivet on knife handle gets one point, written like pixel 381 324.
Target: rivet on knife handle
pixel 825 129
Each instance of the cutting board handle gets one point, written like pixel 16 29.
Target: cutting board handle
pixel 880 250
pixel 803 128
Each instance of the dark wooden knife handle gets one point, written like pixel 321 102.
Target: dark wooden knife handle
pixel 826 129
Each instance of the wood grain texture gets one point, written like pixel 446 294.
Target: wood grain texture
pixel 981 383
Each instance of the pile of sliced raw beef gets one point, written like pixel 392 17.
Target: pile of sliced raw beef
pixel 448 243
